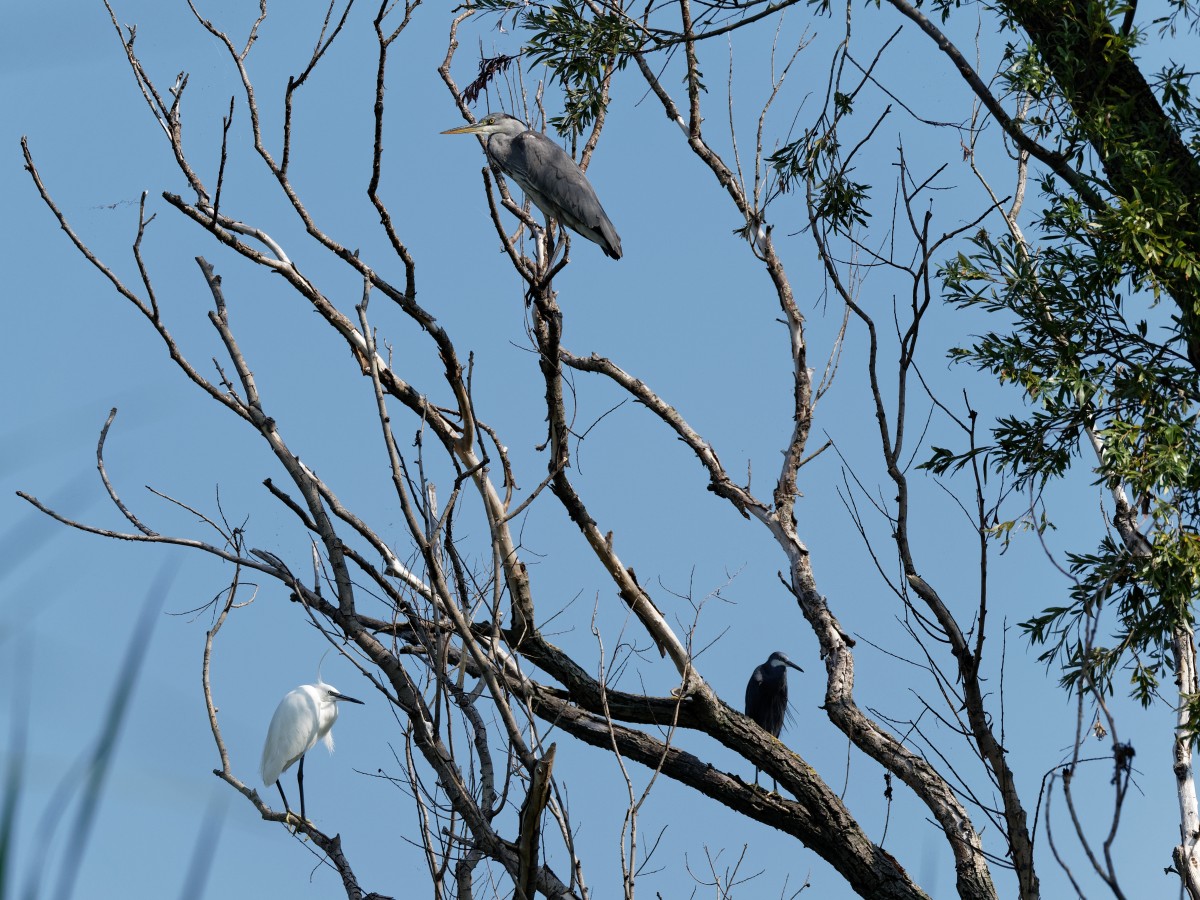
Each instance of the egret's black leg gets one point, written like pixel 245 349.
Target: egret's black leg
pixel 756 776
pixel 300 781
pixel 288 815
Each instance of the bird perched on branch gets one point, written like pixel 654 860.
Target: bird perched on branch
pixel 303 717
pixel 767 696
pixel 547 175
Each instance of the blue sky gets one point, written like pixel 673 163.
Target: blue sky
pixel 687 309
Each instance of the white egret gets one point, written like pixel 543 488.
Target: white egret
pixel 302 718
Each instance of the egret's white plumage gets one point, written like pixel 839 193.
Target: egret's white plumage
pixel 302 718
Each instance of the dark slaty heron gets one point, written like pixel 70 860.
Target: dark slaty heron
pixel 547 175
pixel 767 696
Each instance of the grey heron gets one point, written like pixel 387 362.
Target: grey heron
pixel 547 175
pixel 303 717
pixel 767 696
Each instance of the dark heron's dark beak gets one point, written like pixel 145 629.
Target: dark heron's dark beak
pixel 793 665
pixel 336 696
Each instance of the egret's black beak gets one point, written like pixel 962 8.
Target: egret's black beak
pixel 337 696
pixel 793 665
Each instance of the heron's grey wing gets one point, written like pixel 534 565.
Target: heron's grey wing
pixel 291 734
pixel 558 186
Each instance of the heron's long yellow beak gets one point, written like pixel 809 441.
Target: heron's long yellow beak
pixel 465 129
